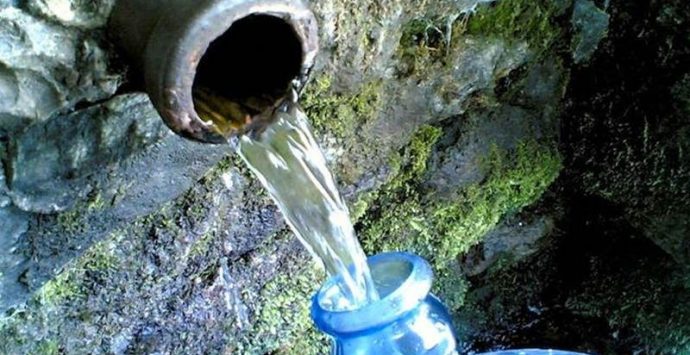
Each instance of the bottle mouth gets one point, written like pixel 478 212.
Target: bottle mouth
pixel 403 281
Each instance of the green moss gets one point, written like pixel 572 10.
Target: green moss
pixel 47 347
pixel 424 42
pixel 228 162
pixel 531 21
pixel 406 167
pixel 440 230
pixel 340 113
pixel 74 282
pixel 429 43
pixel 100 257
pixel 95 202
pixel 72 222
pixel 416 155
pixel 509 187
pixel 201 246
pixel 283 323
pixel 60 289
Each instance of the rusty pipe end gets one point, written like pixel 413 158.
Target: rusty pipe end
pixel 241 57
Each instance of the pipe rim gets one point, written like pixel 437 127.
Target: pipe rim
pixel 181 50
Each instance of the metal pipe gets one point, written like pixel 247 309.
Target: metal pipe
pixel 248 54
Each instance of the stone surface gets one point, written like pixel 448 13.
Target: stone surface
pixel 629 129
pixel 596 285
pixel 13 226
pixel 591 25
pixel 51 169
pixel 84 14
pixel 47 68
pixel 114 183
pixel 514 239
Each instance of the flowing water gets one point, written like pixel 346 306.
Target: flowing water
pixel 287 160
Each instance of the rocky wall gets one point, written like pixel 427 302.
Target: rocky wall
pixel 441 120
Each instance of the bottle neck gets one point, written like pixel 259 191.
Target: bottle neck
pixel 403 281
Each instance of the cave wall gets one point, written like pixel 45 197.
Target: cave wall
pixel 613 276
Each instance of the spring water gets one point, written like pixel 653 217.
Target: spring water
pixel 288 162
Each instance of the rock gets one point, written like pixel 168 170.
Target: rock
pixel 590 25
pixel 583 289
pixel 83 14
pixel 104 179
pixel 13 225
pixel 440 119
pixel 52 162
pixel 513 240
pixel 46 68
pixel 627 145
pixel 8 3
pixel 135 246
pixel 454 165
pixel 4 198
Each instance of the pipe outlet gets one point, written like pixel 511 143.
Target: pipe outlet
pixel 216 68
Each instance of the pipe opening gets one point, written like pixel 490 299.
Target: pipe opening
pixel 246 70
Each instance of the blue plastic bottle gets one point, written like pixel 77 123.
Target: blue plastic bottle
pixel 532 352
pixel 406 319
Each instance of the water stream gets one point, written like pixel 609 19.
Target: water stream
pixel 288 162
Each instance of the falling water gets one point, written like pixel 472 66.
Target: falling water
pixel 287 160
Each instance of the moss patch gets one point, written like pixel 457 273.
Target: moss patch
pixel 407 166
pixel 340 113
pixel 531 21
pixel 201 245
pixel 429 43
pixel 47 347
pixel 72 283
pixel 283 323
pixel 424 42
pixel 62 288
pixel 72 222
pixel 404 218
